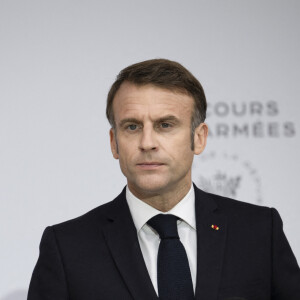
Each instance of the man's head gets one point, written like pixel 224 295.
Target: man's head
pixel 153 107
pixel 165 74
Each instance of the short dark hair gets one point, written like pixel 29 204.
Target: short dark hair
pixel 165 74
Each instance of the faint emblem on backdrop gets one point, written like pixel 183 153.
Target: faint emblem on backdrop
pixel 227 175
pixel 221 184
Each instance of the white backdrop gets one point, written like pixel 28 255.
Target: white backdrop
pixel 57 62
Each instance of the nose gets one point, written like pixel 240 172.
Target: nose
pixel 148 141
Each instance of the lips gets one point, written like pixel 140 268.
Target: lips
pixel 150 165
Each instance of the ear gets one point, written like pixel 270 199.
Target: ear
pixel 200 138
pixel 113 143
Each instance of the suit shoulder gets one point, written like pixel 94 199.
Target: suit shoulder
pixel 237 204
pixel 97 216
pixel 236 207
pixel 244 217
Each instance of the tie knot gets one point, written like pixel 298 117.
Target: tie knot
pixel 165 225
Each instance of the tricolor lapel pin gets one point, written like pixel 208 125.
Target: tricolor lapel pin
pixel 215 227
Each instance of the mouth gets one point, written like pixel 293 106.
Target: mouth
pixel 149 165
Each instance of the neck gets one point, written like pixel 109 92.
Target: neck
pixel 164 201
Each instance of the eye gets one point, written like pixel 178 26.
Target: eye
pixel 165 125
pixel 132 127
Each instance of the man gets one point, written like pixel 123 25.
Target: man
pixel 162 236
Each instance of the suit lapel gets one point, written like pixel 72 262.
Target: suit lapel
pixel 121 237
pixel 210 245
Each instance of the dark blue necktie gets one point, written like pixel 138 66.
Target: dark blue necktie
pixel 173 272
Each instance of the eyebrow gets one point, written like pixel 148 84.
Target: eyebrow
pixel 168 118
pixel 129 120
pixel 159 120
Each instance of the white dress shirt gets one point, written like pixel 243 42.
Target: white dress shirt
pixel 149 239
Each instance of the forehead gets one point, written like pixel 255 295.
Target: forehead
pixel 152 101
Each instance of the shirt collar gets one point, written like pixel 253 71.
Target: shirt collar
pixel 142 212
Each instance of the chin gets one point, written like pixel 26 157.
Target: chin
pixel 151 185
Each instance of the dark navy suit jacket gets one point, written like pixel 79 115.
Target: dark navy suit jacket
pixel 97 256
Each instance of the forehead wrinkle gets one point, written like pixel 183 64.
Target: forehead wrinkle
pixel 151 104
pixel 159 98
pixel 150 108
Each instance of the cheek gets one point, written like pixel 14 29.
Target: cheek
pixel 178 146
pixel 126 153
pixel 124 164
